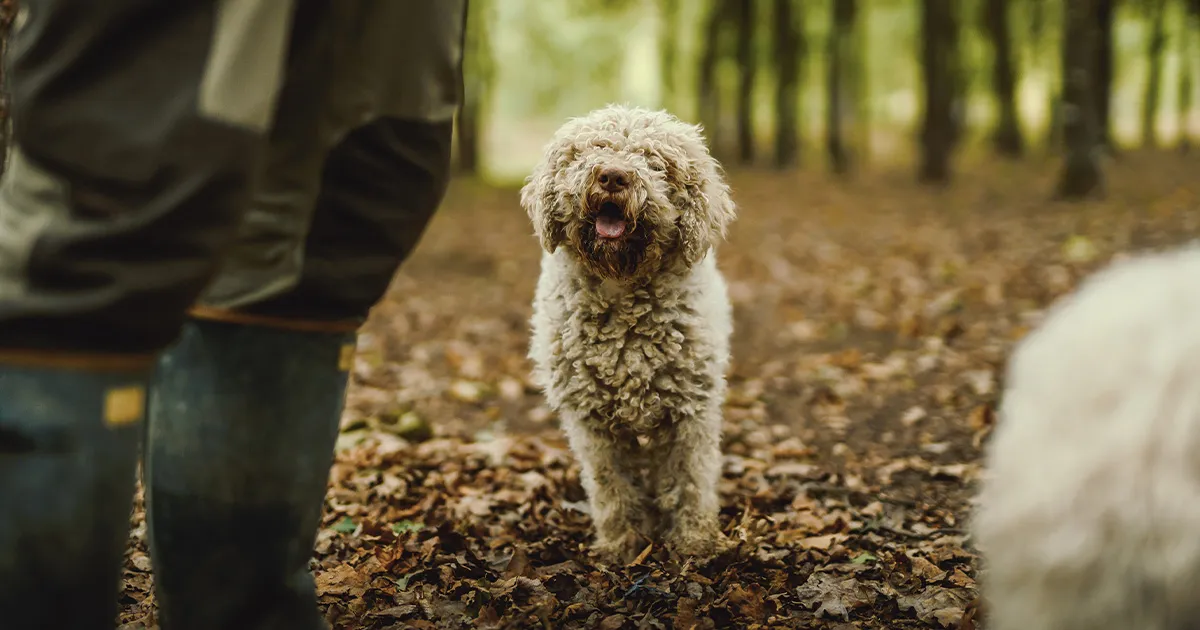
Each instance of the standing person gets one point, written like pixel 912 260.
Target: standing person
pixel 204 199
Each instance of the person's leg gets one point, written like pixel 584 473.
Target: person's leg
pixel 135 125
pixel 246 409
pixel 242 424
pixel 235 463
pixel 395 91
pixel 68 450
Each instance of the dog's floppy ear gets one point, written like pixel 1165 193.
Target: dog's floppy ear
pixel 706 208
pixel 539 200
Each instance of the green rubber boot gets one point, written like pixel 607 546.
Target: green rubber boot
pixel 68 465
pixel 242 425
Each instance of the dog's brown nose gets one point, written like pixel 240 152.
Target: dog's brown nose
pixel 613 179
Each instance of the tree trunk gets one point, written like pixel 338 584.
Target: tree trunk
pixel 1007 136
pixel 1154 54
pixel 466 128
pixel 957 72
pixel 1186 69
pixel 1185 99
pixel 1054 139
pixel 1047 56
pixel 789 45
pixel 1080 176
pixel 477 74
pixel 842 81
pixel 1037 23
pixel 708 94
pixel 1105 11
pixel 669 52
pixel 746 76
pixel 8 11
pixel 937 59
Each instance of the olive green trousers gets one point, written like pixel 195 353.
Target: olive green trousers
pixel 256 161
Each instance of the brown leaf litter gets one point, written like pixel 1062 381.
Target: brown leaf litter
pixel 873 322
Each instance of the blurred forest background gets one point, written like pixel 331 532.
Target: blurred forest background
pixel 839 84
pixel 916 180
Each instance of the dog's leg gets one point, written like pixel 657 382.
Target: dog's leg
pixel 686 482
pixel 608 474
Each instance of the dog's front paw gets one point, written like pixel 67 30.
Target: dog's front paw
pixel 700 545
pixel 622 549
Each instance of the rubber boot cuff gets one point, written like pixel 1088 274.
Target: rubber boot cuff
pixel 243 422
pixel 68 462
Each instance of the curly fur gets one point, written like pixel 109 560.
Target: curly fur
pixel 1090 515
pixel 631 339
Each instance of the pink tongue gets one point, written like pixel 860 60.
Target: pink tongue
pixel 610 227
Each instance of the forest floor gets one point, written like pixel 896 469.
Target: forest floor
pixel 873 320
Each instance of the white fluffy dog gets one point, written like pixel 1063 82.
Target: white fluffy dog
pixel 1090 516
pixel 632 320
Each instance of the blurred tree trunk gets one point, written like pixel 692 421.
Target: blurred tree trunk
pixel 477 79
pixel 1080 176
pixel 467 134
pixel 1054 138
pixel 8 11
pixel 789 48
pixel 1037 24
pixel 707 90
pixel 1154 55
pixel 1046 55
pixel 746 76
pixel 843 79
pixel 938 58
pixel 1007 136
pixel 669 52
pixel 1187 68
pixel 957 72
pixel 1185 96
pixel 1105 11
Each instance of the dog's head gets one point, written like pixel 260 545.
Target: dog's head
pixel 630 190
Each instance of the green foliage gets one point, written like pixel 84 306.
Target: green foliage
pixel 478 59
pixel 553 60
pixel 403 527
pixel 603 6
pixel 576 45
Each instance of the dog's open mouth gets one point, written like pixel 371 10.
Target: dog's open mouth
pixel 610 221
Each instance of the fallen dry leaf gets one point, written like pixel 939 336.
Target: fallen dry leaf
pixel 836 596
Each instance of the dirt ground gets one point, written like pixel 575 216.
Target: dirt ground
pixel 873 320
